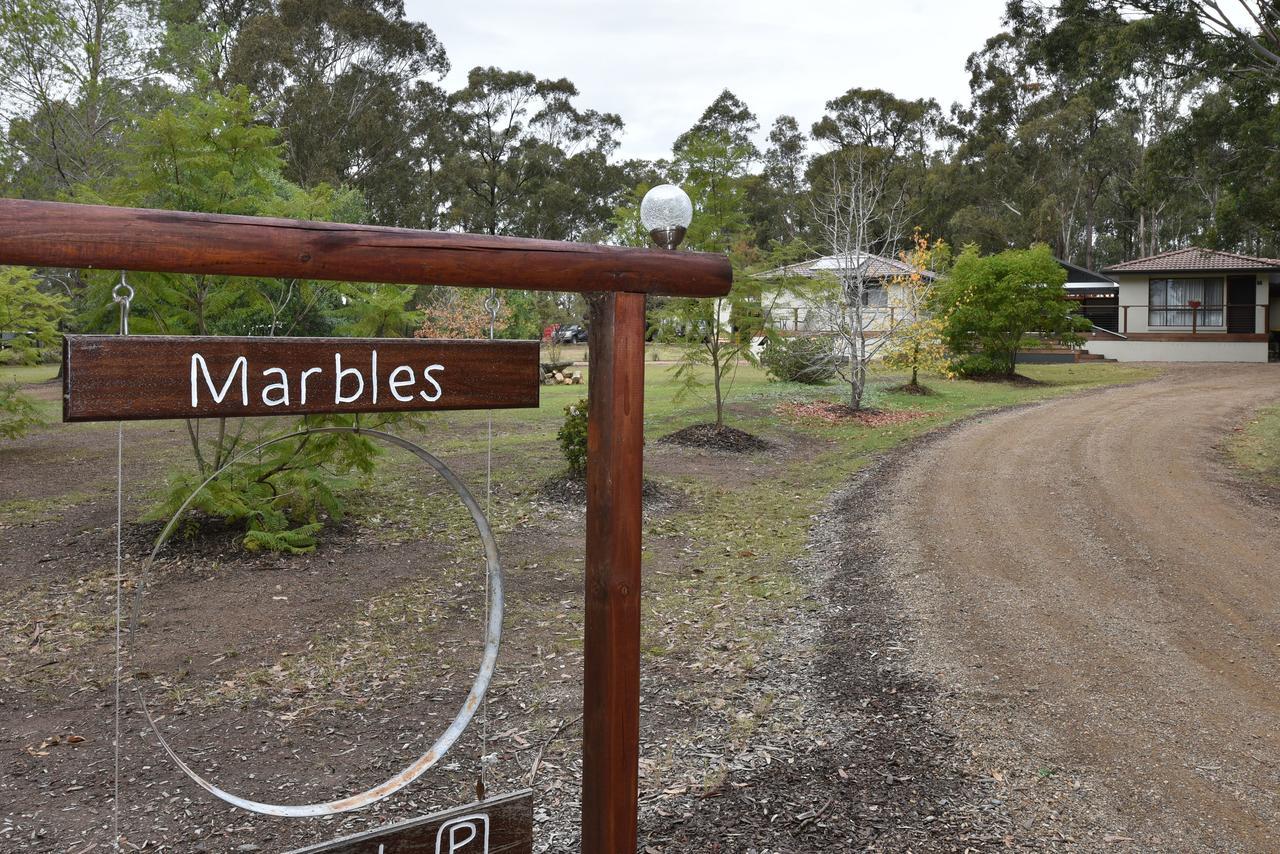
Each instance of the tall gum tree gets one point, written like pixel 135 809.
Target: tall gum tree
pixel 69 74
pixel 527 161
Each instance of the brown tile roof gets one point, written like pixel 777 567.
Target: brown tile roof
pixel 1193 259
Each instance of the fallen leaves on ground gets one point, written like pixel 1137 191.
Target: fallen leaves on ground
pixel 52 741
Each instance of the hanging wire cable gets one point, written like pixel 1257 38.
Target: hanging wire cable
pixel 122 294
pixel 492 304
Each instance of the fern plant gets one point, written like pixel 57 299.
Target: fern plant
pixel 284 494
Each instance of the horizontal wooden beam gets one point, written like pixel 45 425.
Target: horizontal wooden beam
pixel 59 234
pixel 147 377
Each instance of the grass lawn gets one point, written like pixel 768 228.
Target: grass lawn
pixel 26 374
pixel 733 514
pixel 812 457
pixel 653 352
pixel 1256 447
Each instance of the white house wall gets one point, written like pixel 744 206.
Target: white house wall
pixel 1180 351
pixel 814 317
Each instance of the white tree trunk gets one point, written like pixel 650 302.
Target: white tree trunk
pixel 862 217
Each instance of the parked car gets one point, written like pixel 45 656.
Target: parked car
pixel 572 334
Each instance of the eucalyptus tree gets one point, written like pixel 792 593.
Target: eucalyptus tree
pixel 1248 26
pixel 1054 145
pixel 874 118
pixel 871 126
pixel 777 200
pixel 199 39
pixel 527 160
pixel 352 86
pixel 726 118
pixel 69 70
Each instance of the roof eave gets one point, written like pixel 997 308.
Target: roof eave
pixel 1200 270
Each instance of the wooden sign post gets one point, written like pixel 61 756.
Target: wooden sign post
pixel 53 234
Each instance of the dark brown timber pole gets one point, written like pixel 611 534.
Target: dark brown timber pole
pixel 59 234
pixel 615 471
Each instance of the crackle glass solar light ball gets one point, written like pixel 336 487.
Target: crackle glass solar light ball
pixel 666 212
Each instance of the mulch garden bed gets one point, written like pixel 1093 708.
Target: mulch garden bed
pixel 837 413
pixel 1009 379
pixel 908 388
pixel 570 491
pixel 721 438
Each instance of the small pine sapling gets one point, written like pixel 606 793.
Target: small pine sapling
pixel 17 413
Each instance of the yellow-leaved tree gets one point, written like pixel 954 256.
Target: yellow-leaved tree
pixel 917 344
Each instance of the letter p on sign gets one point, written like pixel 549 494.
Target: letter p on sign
pixel 468 834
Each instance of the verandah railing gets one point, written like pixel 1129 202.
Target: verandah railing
pixel 1196 318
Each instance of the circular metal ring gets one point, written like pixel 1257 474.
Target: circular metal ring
pixel 492 640
pixel 123 291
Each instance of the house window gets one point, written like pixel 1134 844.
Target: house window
pixel 875 297
pixel 1170 302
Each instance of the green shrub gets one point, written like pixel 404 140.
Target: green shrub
pixel 801 360
pixel 980 365
pixel 17 413
pixel 991 306
pixel 573 437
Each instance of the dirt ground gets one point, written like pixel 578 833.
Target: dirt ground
pixel 1098 594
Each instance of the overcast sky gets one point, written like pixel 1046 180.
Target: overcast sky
pixel 659 63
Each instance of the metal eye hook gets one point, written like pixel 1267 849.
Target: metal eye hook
pixel 123 293
pixel 493 305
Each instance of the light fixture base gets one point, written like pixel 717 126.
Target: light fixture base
pixel 669 237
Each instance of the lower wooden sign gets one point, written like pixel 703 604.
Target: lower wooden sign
pixel 499 825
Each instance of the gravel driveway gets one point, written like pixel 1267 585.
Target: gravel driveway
pixel 1104 600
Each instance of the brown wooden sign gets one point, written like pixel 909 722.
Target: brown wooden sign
pixel 502 825
pixel 140 377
